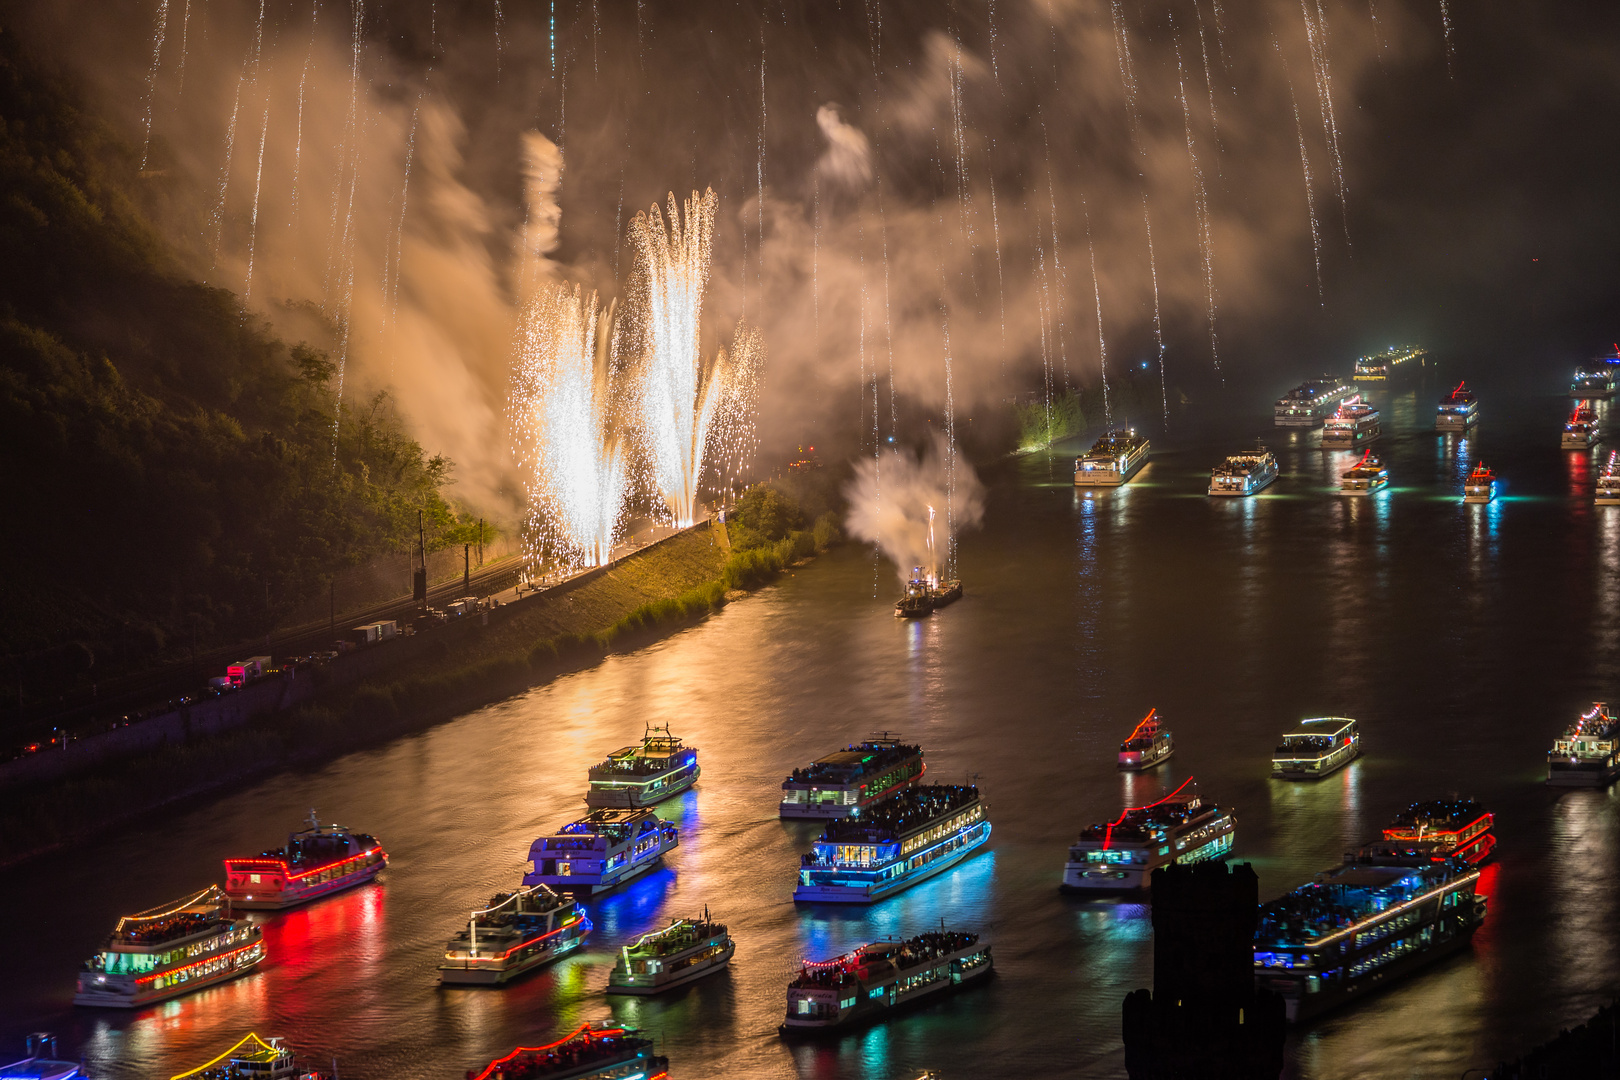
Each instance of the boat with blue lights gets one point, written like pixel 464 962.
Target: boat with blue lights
pixel 1452 828
pixel 1112 459
pixel 587 1053
pixel 317 861
pixel 41 1062
pixel 1480 487
pixel 682 952
pixel 601 851
pixel 876 980
pixel 253 1058
pixel 1118 858
pixel 1387 365
pixel 1316 748
pixel 1354 424
pixel 1243 474
pixel 1307 404
pixel 170 950
pixel 1581 429
pixel 1458 410
pixel 514 934
pixel 1597 378
pixel 644 773
pixel 1607 492
pixel 898 842
pixel 1149 744
pixel 1362 926
pixel 848 782
pixel 1587 754
pixel 1364 477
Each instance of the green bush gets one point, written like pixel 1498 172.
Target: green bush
pixel 827 531
pixel 373 705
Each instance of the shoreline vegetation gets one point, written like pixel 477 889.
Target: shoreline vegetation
pixel 644 597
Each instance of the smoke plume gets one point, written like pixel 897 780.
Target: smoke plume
pixel 914 507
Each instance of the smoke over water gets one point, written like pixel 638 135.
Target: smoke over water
pixel 907 505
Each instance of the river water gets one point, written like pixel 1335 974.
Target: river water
pixel 1461 637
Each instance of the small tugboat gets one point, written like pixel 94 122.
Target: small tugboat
pixel 600 851
pixel 846 783
pixel 1147 746
pixel 517 932
pixel 1363 925
pixel 1480 487
pixel 1458 411
pixel 1581 429
pixel 1587 754
pixel 1608 482
pixel 170 950
pixel 1364 477
pixel 1243 474
pixel 1355 424
pixel 1443 829
pixel 317 861
pixel 602 1053
pixel 659 767
pixel 253 1058
pixel 1118 858
pixel 878 979
pixel 925 594
pixel 682 952
pixel 1112 460
pixel 41 1062
pixel 1316 748
pixel 1306 404
pixel 900 841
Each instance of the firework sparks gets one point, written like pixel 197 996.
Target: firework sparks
pixel 253 225
pixel 1316 35
pixel 1206 237
pixel 1102 342
pixel 1445 25
pixel 151 75
pixel 1310 199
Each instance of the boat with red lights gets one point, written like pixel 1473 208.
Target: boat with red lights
pixel 1587 754
pixel 1444 829
pixel 846 783
pixel 317 861
pixel 1119 857
pixel 1364 477
pixel 1581 429
pixel 682 952
pixel 657 768
pixel 878 979
pixel 170 950
pixel 1480 487
pixel 1607 492
pixel 601 851
pixel 253 1058
pixel 515 934
pixel 1458 410
pixel 604 1053
pixel 901 840
pixel 1354 424
pixel 1306 404
pixel 41 1062
pixel 1146 746
pixel 1319 746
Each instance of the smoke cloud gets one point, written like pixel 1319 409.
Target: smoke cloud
pixel 848 159
pixel 914 507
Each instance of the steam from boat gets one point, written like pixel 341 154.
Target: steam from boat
pixel 897 502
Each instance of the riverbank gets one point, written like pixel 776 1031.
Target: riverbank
pixel 645 596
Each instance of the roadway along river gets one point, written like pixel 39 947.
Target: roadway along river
pixel 1461 637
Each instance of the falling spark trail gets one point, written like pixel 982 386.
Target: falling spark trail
pixel 761 166
pixel 1127 76
pixel 351 163
pixel 1209 83
pixel 1057 262
pixel 151 75
pixel 1102 343
pixel 391 283
pixel 1206 237
pixel 1316 34
pixel 500 24
pixel 1445 23
pixel 815 254
pixel 995 72
pixel 1220 32
pixel 1305 163
pixel 1158 326
pixel 225 175
pixel 253 224
pixel 995 228
pixel 298 131
pixel 180 70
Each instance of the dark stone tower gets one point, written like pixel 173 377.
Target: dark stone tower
pixel 1203 1019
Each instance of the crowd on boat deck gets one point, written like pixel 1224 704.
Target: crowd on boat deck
pixel 323 848
pixel 1145 821
pixel 1304 914
pixel 899 813
pixel 845 771
pixel 635 766
pixel 576 1053
pixel 179 925
pixel 1296 743
pixel 922 949
pixel 677 937
pixel 1441 814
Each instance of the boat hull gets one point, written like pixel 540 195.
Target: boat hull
pixel 830 811
pixel 1327 767
pixel 1582 773
pixel 1479 500
pixel 690 975
pixel 1111 477
pixel 465 975
pixel 1130 761
pixel 632 797
pixel 1372 490
pixel 1299 1007
pixel 250 958
pixel 1607 500
pixel 1135 882
pixel 1456 423
pixel 1578 442
pixel 871 894
pixel 1261 482
pixel 243 900
pixel 866 1012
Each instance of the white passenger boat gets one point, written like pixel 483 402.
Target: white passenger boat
pixel 1316 748
pixel 1112 460
pixel 1587 754
pixel 170 950
pixel 1147 745
pixel 601 851
pixel 1598 378
pixel 900 841
pixel 846 783
pixel 1480 487
pixel 514 934
pixel 1354 425
pixel 682 952
pixel 1386 365
pixel 1364 477
pixel 1119 857
pixel 878 979
pixel 317 861
pixel 1307 404
pixel 1608 482
pixel 1581 429
pixel 648 772
pixel 1458 410
pixel 1244 474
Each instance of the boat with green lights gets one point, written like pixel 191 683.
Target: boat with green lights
pixel 516 933
pixel 253 1058
pixel 900 841
pixel 1118 858
pixel 1386 365
pixel 846 783
pixel 657 768
pixel 682 952
pixel 1316 748
pixel 170 950
pixel 876 980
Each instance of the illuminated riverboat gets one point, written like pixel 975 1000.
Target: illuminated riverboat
pixel 517 932
pixel 900 841
pixel 316 862
pixel 588 1053
pixel 1362 926
pixel 642 774
pixel 1458 411
pixel 41 1062
pixel 1112 460
pixel 926 593
pixel 1364 477
pixel 600 851
pixel 1480 487
pixel 848 782
pixel 1581 429
pixel 1119 857
pixel 1597 378
pixel 1380 367
pixel 1608 483
pixel 1587 754
pixel 1308 403
pixel 170 950
pixel 252 1058
pixel 1148 745
pixel 1244 474
pixel 878 979
pixel 1353 425
pixel 1444 829
pixel 682 952
pixel 1316 748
